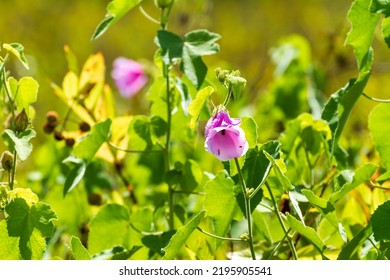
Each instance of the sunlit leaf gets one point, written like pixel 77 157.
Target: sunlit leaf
pixel 380 221
pixel 201 42
pixel 90 144
pixel 281 177
pixel 26 93
pixel 17 50
pixel 79 252
pixel 72 60
pixel 380 131
pixel 180 237
pixel 361 175
pixel 249 125
pixel 350 249
pixel 21 142
pixel 116 9
pixel 76 174
pixel 196 105
pixel 109 228
pixel 219 203
pixel 31 225
pixel 9 245
pixel 362 32
pixel 308 232
pixel 116 253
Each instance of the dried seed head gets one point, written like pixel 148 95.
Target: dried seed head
pixel 7 160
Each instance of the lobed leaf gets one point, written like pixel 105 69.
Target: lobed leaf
pixel 31 225
pixel 21 142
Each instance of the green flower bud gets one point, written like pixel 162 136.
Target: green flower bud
pixel 7 160
pixel 21 122
pixel 163 3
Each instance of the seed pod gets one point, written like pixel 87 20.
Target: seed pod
pixel 58 136
pixel 52 117
pixel 7 160
pixel 48 127
pixel 84 127
pixel 70 142
pixel 21 122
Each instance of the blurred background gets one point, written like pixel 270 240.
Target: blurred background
pixel 251 32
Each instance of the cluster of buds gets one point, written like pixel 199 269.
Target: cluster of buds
pixel 52 123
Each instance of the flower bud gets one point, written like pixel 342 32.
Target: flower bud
pixel 163 3
pixel 21 122
pixel 7 160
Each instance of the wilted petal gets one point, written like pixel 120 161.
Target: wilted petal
pixel 129 76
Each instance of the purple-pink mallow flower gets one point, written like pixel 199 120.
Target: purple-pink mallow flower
pixel 224 137
pixel 129 76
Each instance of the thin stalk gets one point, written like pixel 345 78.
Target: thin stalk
pixel 376 99
pixel 292 247
pixel 247 210
pixel 279 244
pixel 219 237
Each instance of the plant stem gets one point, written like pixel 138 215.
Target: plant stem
pixel 219 237
pixel 247 210
pixel 292 247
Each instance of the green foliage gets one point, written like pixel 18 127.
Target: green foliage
pixel 181 236
pixel 21 142
pixel 79 252
pixel 116 9
pixel 109 228
pixel 31 224
pixel 18 51
pixel 381 223
pixel 189 50
pixel 196 105
pixel 380 130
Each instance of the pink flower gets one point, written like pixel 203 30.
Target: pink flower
pixel 224 137
pixel 128 76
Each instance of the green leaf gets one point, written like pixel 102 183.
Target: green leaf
pixel 380 130
pixel 309 233
pixel 26 93
pixel 219 203
pixel 17 50
pixel 180 237
pixel 323 206
pixel 90 144
pixel 170 44
pixel 76 174
pixel 357 241
pixel 380 6
pixel 192 176
pixel 380 221
pixel 281 177
pixel 79 252
pixel 249 125
pixel 109 228
pixel 116 9
pixel 9 248
pixel 31 225
pixel 361 175
pixel 116 253
pixel 157 242
pixel 362 32
pixel 197 104
pixel 194 68
pixel 201 42
pixel 338 108
pixel 386 30
pixel 21 142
